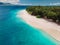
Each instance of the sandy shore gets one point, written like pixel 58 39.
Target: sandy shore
pixel 49 27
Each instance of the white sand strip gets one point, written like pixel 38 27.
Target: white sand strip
pixel 49 27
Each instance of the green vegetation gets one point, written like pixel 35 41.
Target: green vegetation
pixel 49 12
pixel 38 16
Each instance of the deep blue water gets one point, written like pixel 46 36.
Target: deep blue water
pixel 14 31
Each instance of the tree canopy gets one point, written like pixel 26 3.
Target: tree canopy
pixel 51 12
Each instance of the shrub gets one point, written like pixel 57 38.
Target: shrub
pixel 38 16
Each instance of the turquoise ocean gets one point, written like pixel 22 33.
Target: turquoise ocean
pixel 15 31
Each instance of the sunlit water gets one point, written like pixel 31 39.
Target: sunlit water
pixel 14 31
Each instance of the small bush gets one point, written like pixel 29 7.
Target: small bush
pixel 38 16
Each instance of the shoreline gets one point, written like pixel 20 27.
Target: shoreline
pixel 49 27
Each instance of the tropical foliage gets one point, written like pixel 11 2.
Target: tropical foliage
pixel 50 12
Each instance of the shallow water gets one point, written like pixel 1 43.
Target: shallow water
pixel 14 31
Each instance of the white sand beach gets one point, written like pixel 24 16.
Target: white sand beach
pixel 49 27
